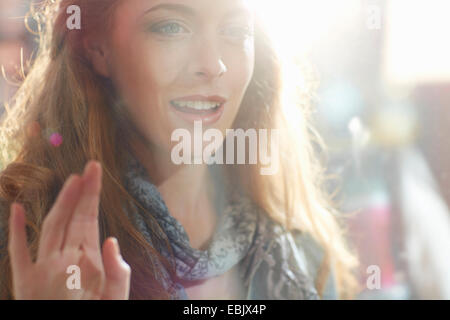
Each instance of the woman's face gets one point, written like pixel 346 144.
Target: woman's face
pixel 174 62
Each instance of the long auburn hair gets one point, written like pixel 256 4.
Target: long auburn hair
pixel 61 93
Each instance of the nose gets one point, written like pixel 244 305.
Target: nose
pixel 214 68
pixel 207 62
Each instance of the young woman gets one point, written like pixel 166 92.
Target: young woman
pixel 87 150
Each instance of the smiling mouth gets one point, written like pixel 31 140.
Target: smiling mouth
pixel 196 107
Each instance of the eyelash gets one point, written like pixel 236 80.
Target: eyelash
pixel 232 31
pixel 242 32
pixel 159 28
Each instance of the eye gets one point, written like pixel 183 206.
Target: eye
pixel 239 32
pixel 169 28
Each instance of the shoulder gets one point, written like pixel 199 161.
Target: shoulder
pixel 288 267
pixel 312 253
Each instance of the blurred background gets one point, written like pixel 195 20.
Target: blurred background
pixel 383 109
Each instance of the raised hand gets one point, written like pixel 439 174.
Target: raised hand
pixel 69 237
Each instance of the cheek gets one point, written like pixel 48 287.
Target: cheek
pixel 145 71
pixel 144 75
pixel 241 66
pixel 161 65
pixel 244 72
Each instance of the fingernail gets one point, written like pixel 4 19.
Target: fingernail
pixel 13 209
pixel 91 163
pixel 14 212
pixel 14 206
pixel 116 247
pixel 86 167
pixel 69 179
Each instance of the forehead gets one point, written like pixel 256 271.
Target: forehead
pixel 188 7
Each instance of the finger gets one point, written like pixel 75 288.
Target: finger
pixel 117 271
pixel 18 245
pixel 55 223
pixel 92 275
pixel 83 225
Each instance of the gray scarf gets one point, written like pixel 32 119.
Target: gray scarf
pixel 243 234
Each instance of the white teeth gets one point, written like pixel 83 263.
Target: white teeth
pixel 197 105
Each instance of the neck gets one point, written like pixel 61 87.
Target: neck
pixel 185 189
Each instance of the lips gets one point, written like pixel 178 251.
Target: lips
pixel 207 109
pixel 196 107
pixel 215 98
pixel 198 103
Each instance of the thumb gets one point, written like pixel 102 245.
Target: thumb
pixel 117 271
pixel 17 245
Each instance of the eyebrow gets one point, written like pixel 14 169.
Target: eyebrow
pixel 239 11
pixel 172 7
